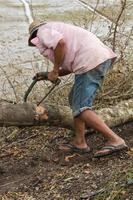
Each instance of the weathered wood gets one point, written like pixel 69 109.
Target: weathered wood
pixel 30 115
pixel 16 114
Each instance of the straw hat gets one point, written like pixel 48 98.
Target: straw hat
pixel 32 28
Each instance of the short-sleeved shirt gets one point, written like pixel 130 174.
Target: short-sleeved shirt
pixel 84 51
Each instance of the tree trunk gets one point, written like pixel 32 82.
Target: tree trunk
pixel 30 115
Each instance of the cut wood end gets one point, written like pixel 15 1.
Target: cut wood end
pixel 41 113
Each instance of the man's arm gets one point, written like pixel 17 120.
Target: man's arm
pixel 43 75
pixel 59 54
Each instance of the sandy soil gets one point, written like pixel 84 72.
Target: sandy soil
pixel 31 166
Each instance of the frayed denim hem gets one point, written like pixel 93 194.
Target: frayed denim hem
pixel 77 113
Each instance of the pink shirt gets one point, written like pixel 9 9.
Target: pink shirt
pixel 84 50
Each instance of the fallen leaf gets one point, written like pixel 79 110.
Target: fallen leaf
pixel 130 152
pixel 68 158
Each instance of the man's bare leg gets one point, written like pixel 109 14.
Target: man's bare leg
pixel 89 117
pixel 79 139
pixel 92 119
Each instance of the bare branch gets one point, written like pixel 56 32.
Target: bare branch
pixel 123 3
pixel 89 7
pixel 94 14
pixel 10 82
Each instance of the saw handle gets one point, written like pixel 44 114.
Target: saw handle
pixel 29 90
pixel 38 77
pixel 44 76
pixel 41 76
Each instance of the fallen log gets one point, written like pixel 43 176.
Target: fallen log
pixel 30 115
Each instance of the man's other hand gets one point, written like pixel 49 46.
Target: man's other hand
pixel 53 76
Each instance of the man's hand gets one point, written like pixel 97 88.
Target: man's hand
pixel 53 76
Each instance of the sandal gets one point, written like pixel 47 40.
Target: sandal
pixel 108 150
pixel 72 148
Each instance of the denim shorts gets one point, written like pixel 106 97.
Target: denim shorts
pixel 85 86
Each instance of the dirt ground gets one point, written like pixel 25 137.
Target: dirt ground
pixel 32 167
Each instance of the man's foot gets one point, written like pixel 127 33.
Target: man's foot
pixel 110 149
pixel 74 149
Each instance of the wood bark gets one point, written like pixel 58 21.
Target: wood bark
pixel 30 115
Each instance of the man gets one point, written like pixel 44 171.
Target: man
pixel 75 50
